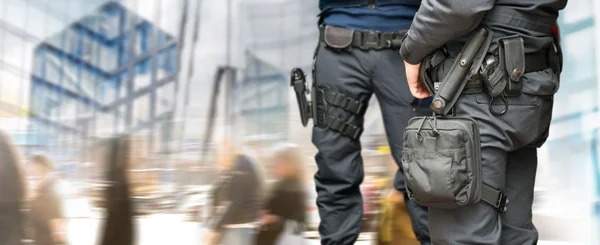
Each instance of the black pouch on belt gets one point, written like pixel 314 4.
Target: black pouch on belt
pixel 338 38
pixel 502 73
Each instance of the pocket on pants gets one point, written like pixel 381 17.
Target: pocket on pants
pixel 527 118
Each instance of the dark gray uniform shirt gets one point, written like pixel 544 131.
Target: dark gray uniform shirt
pixel 441 22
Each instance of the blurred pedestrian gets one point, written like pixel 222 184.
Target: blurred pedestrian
pixel 286 204
pixel 12 193
pixel 237 197
pixel 118 228
pixel 46 217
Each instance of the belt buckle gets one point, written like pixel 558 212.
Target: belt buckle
pixel 371 39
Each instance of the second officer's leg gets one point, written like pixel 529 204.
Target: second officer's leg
pixel 508 164
pixel 340 166
pixel 395 100
pixel 517 225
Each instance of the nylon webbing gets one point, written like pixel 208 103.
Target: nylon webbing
pixel 344 102
pixel 342 127
pixel 494 197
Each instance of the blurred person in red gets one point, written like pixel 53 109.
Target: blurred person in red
pixel 286 202
pixel 236 199
pixel 12 193
pixel 118 228
pixel 46 217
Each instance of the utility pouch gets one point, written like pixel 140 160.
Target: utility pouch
pixel 512 52
pixel 442 164
pixel 442 161
pixel 337 37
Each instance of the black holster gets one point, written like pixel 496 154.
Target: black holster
pixel 298 83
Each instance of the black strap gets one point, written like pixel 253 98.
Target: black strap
pixel 345 102
pixel 537 61
pixel 342 127
pixel 494 197
pixel 372 39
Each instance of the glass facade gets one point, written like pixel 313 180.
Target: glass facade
pixel 261 100
pixel 23 25
pixel 108 72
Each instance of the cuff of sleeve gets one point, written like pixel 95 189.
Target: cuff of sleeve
pixel 411 51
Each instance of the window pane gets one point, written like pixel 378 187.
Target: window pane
pixel 12 48
pixel 164 98
pixel 16 13
pixel 142 75
pixel 141 109
pixel 9 87
pixel 105 124
pixel 166 63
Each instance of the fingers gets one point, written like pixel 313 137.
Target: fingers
pixel 418 90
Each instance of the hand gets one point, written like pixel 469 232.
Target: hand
pixel 269 219
pixel 210 237
pixel 417 88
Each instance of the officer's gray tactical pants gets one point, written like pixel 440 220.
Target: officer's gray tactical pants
pixel 358 74
pixel 509 157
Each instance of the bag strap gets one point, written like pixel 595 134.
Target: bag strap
pixel 495 198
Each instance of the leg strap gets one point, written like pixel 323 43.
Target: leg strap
pixel 495 198
pixel 344 128
pixel 344 102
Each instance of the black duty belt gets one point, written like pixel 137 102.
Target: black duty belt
pixel 533 62
pixel 371 39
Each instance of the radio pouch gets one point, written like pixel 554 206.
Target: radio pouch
pixel 442 164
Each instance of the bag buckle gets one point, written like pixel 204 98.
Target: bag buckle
pixel 371 39
pixel 502 204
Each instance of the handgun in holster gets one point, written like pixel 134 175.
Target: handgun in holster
pixel 446 92
pixel 298 83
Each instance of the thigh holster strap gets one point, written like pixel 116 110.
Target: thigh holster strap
pixel 495 198
pixel 344 102
pixel 342 127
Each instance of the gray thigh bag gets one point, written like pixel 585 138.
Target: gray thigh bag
pixel 442 161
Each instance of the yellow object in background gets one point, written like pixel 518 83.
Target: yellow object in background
pixel 384 149
pixel 395 227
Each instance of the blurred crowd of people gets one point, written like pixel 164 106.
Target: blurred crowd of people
pixel 252 203
pixel 31 212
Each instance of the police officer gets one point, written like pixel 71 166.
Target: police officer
pixel 509 132
pixel 357 56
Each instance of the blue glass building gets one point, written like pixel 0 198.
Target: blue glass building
pixel 107 73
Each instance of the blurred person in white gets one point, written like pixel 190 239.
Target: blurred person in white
pixel 286 202
pixel 46 217
pixel 12 193
pixel 236 197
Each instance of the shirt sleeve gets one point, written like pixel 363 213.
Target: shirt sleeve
pixel 237 188
pixel 440 21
